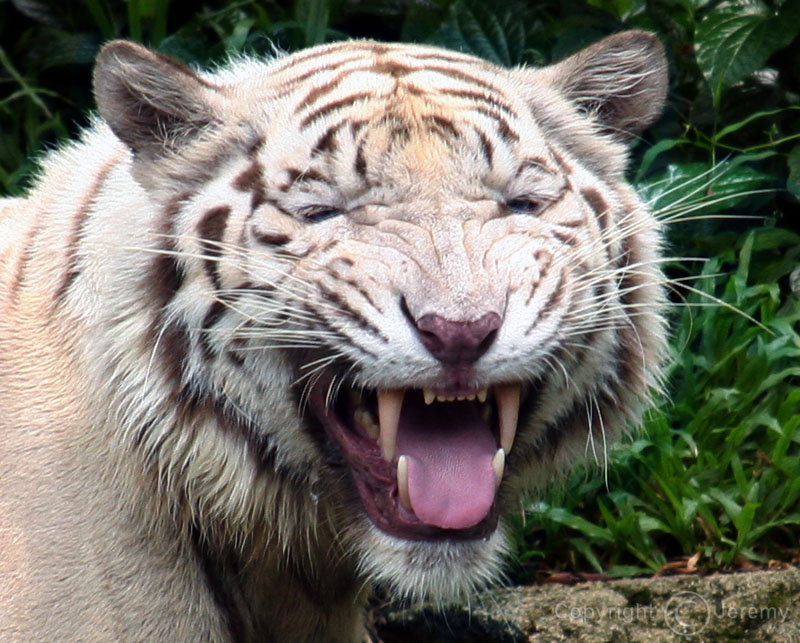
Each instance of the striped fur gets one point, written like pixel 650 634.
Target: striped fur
pixel 181 282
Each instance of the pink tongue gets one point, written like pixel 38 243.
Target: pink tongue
pixel 450 449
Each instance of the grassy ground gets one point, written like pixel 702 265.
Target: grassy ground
pixel 713 481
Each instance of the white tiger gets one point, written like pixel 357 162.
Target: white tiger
pixel 271 334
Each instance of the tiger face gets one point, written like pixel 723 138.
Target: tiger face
pixel 419 280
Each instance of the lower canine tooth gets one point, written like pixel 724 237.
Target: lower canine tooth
pixel 499 465
pixel 402 482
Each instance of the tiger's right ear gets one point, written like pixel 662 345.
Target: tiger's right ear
pixel 152 103
pixel 620 82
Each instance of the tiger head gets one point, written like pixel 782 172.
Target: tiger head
pixel 418 279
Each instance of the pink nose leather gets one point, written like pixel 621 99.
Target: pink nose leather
pixel 457 342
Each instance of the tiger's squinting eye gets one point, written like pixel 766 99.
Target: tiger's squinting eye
pixel 318 214
pixel 525 206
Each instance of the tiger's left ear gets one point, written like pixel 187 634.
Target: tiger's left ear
pixel 620 81
pixel 151 102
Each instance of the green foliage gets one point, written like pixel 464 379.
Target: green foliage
pixel 793 182
pixel 737 39
pixel 716 473
pixel 477 28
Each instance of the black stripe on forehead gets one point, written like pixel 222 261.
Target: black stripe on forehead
pixel 315 94
pixel 440 125
pixel 326 143
pixel 478 90
pixel 486 146
pixel 495 100
pixel 333 106
pixel 398 70
pixel 330 56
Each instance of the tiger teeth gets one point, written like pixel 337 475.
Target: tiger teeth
pixel 363 417
pixel 499 465
pixel 390 402
pixel 430 397
pixel 507 397
pixel 402 483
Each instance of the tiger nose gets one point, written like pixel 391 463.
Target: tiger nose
pixel 457 342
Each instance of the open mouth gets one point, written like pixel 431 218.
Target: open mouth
pixel 427 464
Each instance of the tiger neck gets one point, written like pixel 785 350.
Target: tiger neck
pixel 265 595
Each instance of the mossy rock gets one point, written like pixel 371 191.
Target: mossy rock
pixel 755 606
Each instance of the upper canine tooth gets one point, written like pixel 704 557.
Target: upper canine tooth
pixel 507 396
pixel 390 402
pixel 482 394
pixel 429 395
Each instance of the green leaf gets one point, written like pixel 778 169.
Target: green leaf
pixel 98 12
pixel 617 8
pixel 738 125
pixel 238 38
pixel 585 548
pixel 315 15
pixel 56 48
pixel 592 531
pixel 651 154
pixel 135 20
pixel 793 182
pixel 694 189
pixel 476 28
pixel 737 38
pixel 743 523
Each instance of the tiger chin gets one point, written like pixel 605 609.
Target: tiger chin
pixel 277 332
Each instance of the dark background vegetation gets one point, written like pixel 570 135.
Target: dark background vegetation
pixel 713 482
